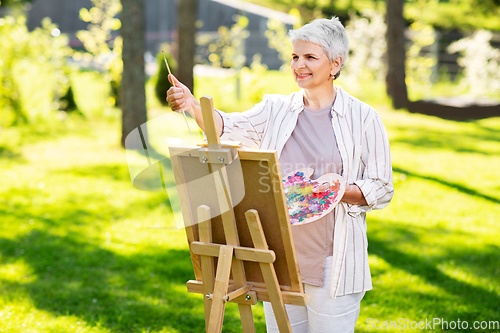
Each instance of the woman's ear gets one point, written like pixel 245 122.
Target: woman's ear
pixel 336 65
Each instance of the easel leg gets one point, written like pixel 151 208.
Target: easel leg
pixel 220 289
pixel 246 318
pixel 268 272
pixel 246 315
pixel 230 231
pixel 207 262
pixel 274 291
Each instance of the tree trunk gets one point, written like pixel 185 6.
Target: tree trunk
pixel 186 32
pixel 396 54
pixel 133 99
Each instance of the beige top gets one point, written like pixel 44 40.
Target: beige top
pixel 312 144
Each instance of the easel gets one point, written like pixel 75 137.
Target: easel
pixel 235 242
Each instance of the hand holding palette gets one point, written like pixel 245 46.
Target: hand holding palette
pixel 306 205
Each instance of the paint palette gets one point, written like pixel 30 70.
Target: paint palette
pixel 305 206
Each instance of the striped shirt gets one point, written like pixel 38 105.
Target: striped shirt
pixel 364 149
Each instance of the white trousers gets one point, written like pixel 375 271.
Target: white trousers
pixel 323 314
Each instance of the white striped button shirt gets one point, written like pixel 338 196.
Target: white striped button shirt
pixel 364 149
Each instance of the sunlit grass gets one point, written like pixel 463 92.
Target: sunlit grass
pixel 433 250
pixel 81 250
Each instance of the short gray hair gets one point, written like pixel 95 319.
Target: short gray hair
pixel 329 34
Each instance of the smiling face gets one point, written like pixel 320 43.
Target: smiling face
pixel 311 67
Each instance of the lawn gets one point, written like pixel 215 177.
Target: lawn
pixel 81 250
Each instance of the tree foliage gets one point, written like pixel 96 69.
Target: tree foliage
pixel 481 63
pixel 33 71
pixel 419 66
pixel 103 49
pixel 366 49
pixel 13 3
pixel 463 15
pixel 278 39
pixel 227 51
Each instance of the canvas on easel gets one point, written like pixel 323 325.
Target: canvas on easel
pixel 237 227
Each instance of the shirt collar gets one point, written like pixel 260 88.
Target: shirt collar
pixel 340 105
pixel 297 101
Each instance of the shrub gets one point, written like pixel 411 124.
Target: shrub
pixel 481 63
pixel 33 70
pixel 367 46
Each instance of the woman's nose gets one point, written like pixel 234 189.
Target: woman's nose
pixel 300 63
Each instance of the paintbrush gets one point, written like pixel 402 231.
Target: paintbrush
pixel 169 72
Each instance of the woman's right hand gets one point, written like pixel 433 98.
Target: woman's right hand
pixel 180 98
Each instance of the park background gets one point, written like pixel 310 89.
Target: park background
pixel 82 250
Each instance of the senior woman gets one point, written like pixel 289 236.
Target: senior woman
pixel 322 127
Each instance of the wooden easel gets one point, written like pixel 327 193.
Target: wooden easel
pixel 214 260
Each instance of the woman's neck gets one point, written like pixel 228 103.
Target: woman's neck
pixel 320 98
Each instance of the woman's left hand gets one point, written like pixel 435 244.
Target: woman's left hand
pixel 353 195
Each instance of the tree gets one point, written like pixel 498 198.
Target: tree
pixel 186 32
pixel 395 79
pixel 10 3
pixel 133 99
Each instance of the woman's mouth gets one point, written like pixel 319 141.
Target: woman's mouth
pixel 302 75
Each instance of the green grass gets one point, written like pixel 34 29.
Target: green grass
pixel 81 250
pixel 434 251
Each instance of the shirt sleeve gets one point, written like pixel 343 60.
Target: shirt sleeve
pixel 246 127
pixel 376 182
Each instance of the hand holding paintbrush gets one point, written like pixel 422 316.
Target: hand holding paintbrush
pixel 173 83
pixel 180 98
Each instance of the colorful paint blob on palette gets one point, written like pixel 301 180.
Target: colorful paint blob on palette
pixel 305 206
